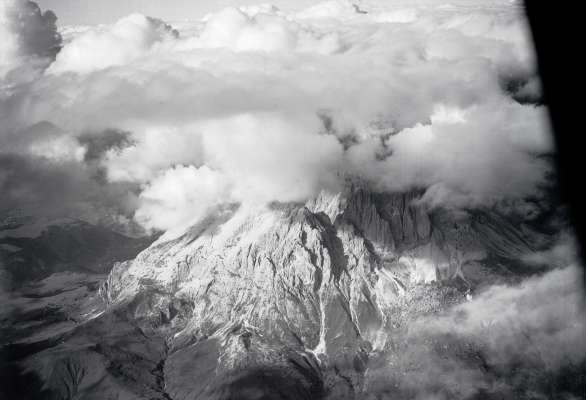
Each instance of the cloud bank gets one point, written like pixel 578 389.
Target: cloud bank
pixel 253 104
pixel 125 41
pixel 524 341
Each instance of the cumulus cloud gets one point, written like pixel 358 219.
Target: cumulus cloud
pixel 263 29
pixel 281 105
pixel 471 153
pixel 125 41
pixel 270 158
pixel 181 196
pixel 28 35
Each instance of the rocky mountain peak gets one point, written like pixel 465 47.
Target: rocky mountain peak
pixel 302 294
pixel 317 276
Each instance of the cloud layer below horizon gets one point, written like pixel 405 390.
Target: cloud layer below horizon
pixel 162 123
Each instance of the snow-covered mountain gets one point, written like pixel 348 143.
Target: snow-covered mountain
pixel 287 301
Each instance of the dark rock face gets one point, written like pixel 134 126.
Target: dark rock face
pixel 75 246
pixel 280 302
pixel 262 371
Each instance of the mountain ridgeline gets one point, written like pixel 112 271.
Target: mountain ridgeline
pixel 286 301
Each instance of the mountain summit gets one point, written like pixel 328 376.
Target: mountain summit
pixel 285 301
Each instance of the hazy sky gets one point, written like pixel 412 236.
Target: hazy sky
pixel 105 11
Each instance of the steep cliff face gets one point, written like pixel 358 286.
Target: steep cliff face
pixel 253 289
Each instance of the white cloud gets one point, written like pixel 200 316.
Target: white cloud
pixel 332 9
pixel 180 196
pixel 156 149
pixel 281 105
pixel 269 158
pixel 506 340
pixel 266 29
pixel 60 148
pixel 486 152
pixel 102 47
